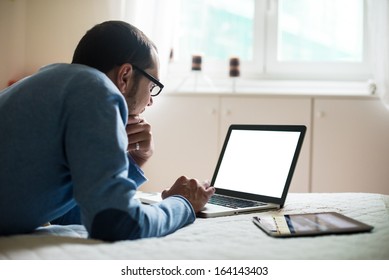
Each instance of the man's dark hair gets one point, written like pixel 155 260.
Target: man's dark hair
pixel 113 43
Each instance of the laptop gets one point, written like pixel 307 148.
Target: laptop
pixel 254 169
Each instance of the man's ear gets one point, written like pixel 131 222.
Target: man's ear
pixel 124 75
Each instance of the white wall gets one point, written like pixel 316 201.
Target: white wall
pixel 12 40
pixel 34 33
pixel 53 28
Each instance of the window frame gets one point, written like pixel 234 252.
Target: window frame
pixel 348 71
pixel 264 65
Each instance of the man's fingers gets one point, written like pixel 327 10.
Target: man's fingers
pixel 165 193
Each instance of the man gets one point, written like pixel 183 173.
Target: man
pixel 72 143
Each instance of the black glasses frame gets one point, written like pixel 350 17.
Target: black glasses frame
pixel 151 78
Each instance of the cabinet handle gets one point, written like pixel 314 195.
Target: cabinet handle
pixel 320 114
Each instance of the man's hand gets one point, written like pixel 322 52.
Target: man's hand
pixel 140 140
pixel 197 194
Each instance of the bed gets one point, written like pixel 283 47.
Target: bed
pixel 224 238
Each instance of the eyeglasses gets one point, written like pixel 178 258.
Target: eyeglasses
pixel 156 87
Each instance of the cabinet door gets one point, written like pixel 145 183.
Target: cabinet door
pixel 272 110
pixel 185 132
pixel 350 146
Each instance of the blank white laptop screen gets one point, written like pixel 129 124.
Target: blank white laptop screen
pixel 257 161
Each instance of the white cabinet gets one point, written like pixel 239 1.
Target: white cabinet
pixel 189 132
pixel 185 130
pixel 350 146
pixel 346 147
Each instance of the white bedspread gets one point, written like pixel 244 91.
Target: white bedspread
pixel 234 237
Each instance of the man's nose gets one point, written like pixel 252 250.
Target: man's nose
pixel 151 101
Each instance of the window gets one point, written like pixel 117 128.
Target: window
pixel 320 30
pixel 275 39
pixel 224 23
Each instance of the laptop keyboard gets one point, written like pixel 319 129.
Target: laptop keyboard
pixel 233 202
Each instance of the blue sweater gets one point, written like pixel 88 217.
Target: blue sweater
pixel 63 144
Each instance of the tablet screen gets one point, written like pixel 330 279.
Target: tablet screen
pixel 309 224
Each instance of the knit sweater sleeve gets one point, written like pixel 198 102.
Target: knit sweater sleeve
pixel 105 179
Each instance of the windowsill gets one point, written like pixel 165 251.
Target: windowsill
pixel 267 87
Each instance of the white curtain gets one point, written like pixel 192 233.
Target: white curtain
pixel 158 20
pixel 378 33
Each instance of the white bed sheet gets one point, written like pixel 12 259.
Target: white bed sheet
pixel 234 237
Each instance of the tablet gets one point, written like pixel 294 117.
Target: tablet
pixel 309 224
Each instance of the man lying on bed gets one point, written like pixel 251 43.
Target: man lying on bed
pixel 72 143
